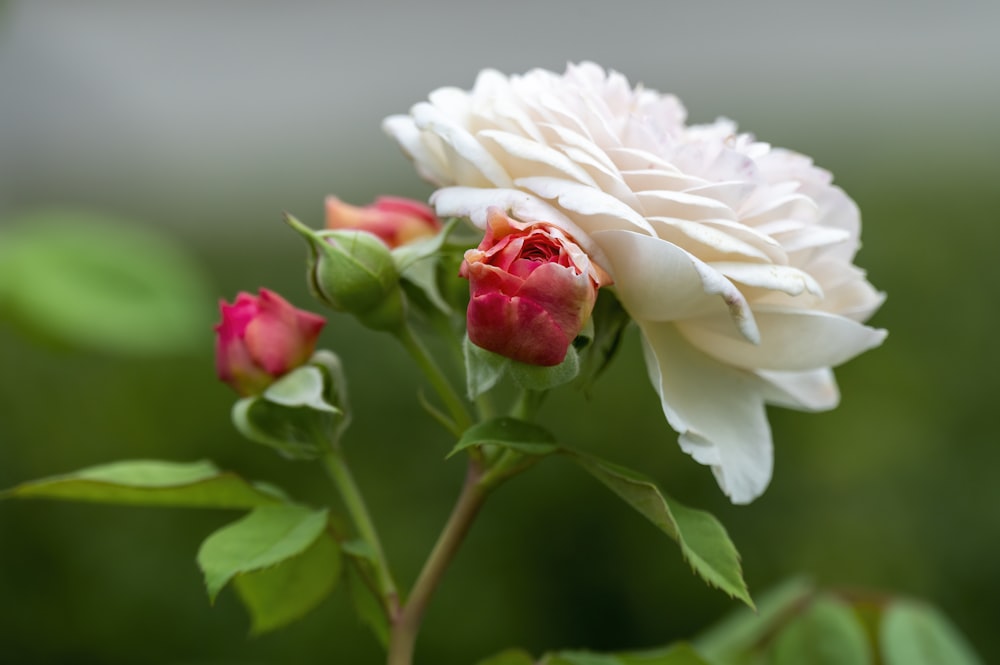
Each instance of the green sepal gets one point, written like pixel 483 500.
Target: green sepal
pixel 703 540
pixel 265 537
pixel 151 483
pixel 913 633
pixel 484 369
pixel 417 263
pixel 829 632
pixel 538 378
pixel 518 435
pixel 607 328
pixel 295 415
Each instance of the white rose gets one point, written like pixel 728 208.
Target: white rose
pixel 733 257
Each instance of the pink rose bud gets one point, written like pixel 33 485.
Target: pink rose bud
pixel 262 338
pixel 396 221
pixel 532 289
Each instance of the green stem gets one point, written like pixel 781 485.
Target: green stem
pixel 452 401
pixel 337 467
pixel 527 404
pixel 403 635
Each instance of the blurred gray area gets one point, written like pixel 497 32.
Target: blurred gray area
pixel 203 113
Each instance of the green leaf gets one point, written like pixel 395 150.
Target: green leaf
pixel 366 599
pixel 703 540
pixel 265 537
pixel 677 654
pixel 100 282
pixel 507 432
pixel 367 604
pixel 151 483
pixel 281 594
pixel 294 414
pixel 745 629
pixel 828 633
pixel 509 657
pixel 916 634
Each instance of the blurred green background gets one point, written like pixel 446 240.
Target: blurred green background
pixel 202 123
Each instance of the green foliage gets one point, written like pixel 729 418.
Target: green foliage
pixel 366 602
pixel 677 654
pixel 417 265
pixel 827 633
pixel 510 433
pixel 509 657
pixel 266 536
pixel 915 634
pixel 103 283
pixel 283 593
pixel 152 483
pixel 746 630
pixel 703 540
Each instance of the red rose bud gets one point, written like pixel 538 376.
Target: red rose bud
pixel 396 221
pixel 262 338
pixel 532 289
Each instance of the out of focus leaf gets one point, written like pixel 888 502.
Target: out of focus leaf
pixel 265 537
pixel 283 593
pixel 151 483
pixel 917 634
pixel 703 540
pixel 94 281
pixel 828 633
pixel 367 604
pixel 509 657
pixel 676 654
pixel 744 629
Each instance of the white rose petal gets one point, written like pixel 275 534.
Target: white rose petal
pixel 734 257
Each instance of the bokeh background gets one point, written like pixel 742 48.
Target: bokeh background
pixel 201 122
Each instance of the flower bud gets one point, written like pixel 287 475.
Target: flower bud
pixel 532 290
pixel 394 220
pixel 261 339
pixel 354 272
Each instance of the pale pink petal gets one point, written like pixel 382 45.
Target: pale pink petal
pixel 812 390
pixel 594 209
pixel 658 281
pixel 769 276
pixel 790 340
pixel 469 161
pixel 717 410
